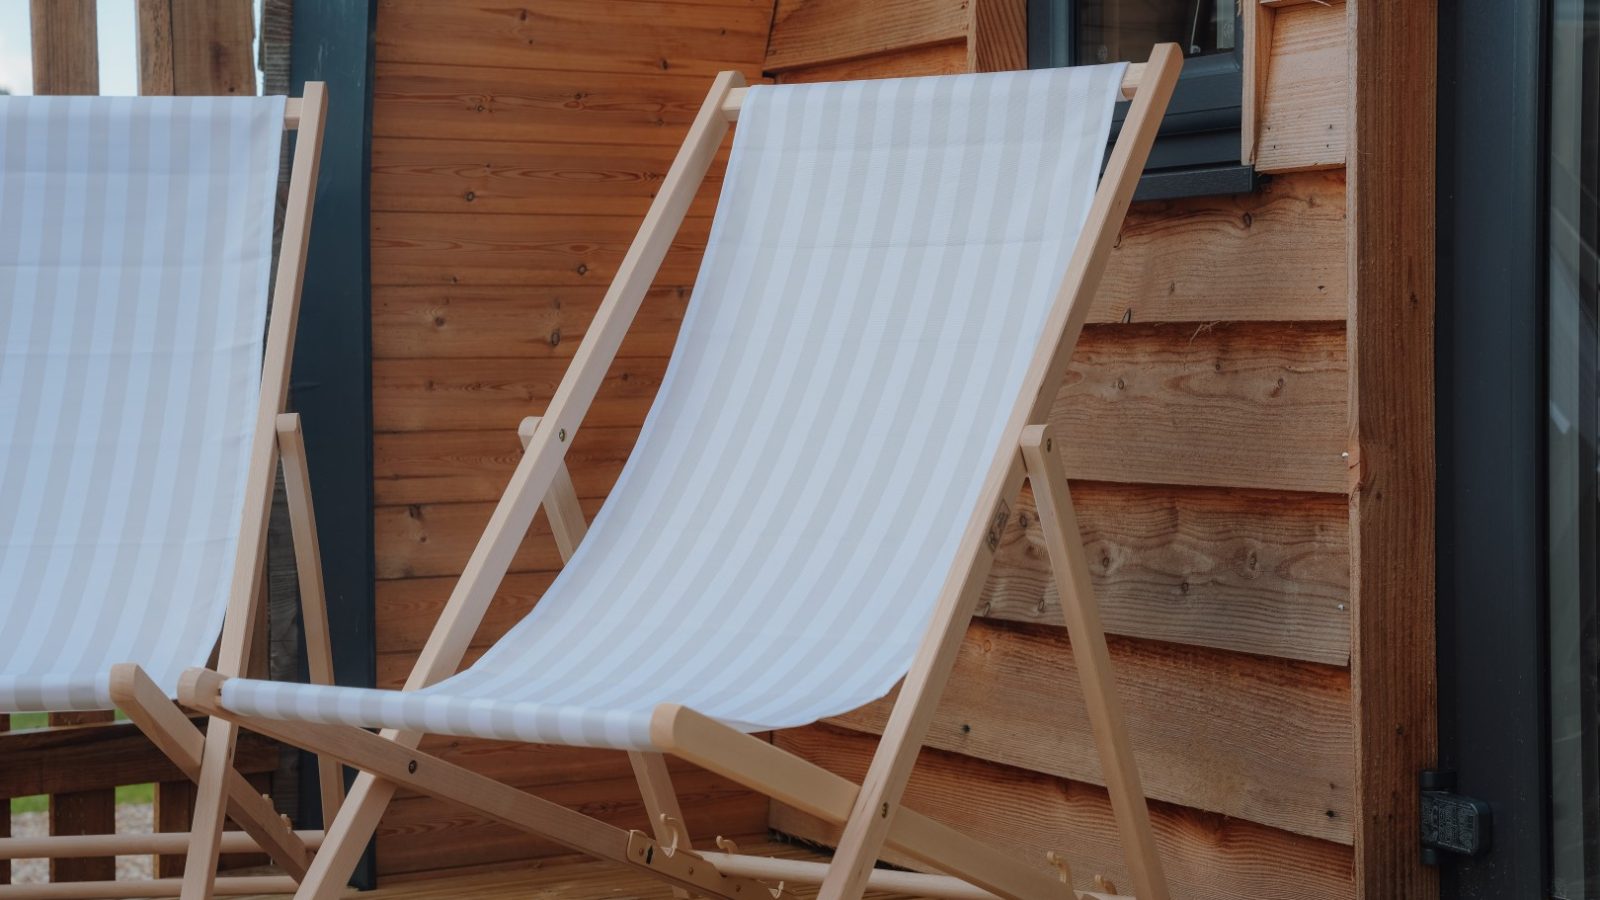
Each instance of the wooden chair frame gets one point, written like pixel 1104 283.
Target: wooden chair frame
pixel 207 758
pixel 871 813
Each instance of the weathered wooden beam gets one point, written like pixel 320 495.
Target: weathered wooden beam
pixel 196 47
pixel 1392 435
pixel 99 756
pixel 66 49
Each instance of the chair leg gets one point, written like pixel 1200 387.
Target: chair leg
pixel 660 801
pixel 205 830
pixel 347 838
pixel 172 733
pixel 1070 563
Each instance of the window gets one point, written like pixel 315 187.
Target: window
pixel 1198 150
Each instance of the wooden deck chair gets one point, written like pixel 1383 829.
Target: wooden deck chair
pixel 896 276
pixel 142 392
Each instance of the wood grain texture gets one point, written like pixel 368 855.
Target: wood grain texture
pixel 1275 255
pixel 433 175
pixel 99 755
pixel 427 540
pixel 1207 857
pixel 1235 405
pixel 78 808
pixel 462 466
pixel 815 32
pixel 1248 737
pixel 997 35
pixel 643 39
pixel 422 834
pixel 1391 419
pixel 196 47
pixel 425 395
pixel 442 322
pixel 1251 571
pixel 65 43
pixel 946 58
pixel 568 251
pixel 1304 110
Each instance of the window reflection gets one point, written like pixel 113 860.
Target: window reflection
pixel 1124 30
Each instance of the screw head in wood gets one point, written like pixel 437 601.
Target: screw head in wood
pixel 412 767
pixel 883 811
pixel 561 435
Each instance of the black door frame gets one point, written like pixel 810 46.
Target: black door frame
pixel 1491 407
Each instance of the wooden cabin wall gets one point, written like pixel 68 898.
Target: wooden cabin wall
pixel 515 150
pixel 1207 419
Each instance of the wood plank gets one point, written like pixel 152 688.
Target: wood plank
pixel 812 32
pixel 421 834
pixel 424 540
pixel 997 35
pixel 427 248
pixel 407 609
pixel 486 103
pixel 92 757
pixel 438 175
pixel 5 820
pixel 1249 571
pixel 83 809
pixel 454 322
pixel 946 58
pixel 1253 738
pixel 639 38
pixel 496 394
pixel 1275 255
pixel 65 41
pixel 1392 421
pixel 461 466
pixel 196 47
pixel 1206 856
pixel 1240 405
pixel 1304 111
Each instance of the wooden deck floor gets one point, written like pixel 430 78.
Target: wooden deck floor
pixel 575 880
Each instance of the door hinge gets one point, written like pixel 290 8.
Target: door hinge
pixel 1451 823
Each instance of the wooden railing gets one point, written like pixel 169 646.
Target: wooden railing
pixel 185 47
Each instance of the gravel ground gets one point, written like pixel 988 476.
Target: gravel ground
pixel 132 818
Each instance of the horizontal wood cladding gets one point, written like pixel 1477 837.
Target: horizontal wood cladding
pixel 1253 571
pixel 640 38
pixel 1248 737
pixel 1206 856
pixel 455 322
pixel 816 32
pixel 420 834
pixel 1304 107
pixel 434 395
pixel 948 58
pixel 430 175
pixel 520 250
pixel 1275 255
pixel 1233 405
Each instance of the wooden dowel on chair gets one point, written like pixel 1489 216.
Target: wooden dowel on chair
pixel 160 887
pixel 81 845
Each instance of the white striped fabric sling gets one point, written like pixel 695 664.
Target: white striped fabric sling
pixel 882 260
pixel 135 254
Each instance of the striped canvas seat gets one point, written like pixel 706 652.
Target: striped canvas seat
pixel 882 259
pixel 135 250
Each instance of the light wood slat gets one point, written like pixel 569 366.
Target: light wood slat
pixel 1207 857
pixel 1242 405
pixel 1276 255
pixel 547 106
pixel 1305 109
pixel 423 395
pixel 948 58
pixel 441 322
pixel 812 32
pixel 425 248
pixel 1250 737
pixel 439 175
pixel 1257 572
pixel 638 38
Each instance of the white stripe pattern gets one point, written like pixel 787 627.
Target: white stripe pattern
pixel 135 254
pixel 881 263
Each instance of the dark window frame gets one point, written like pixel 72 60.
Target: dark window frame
pixel 1197 150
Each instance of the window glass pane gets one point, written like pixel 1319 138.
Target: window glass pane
pixel 1574 413
pixel 1123 30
